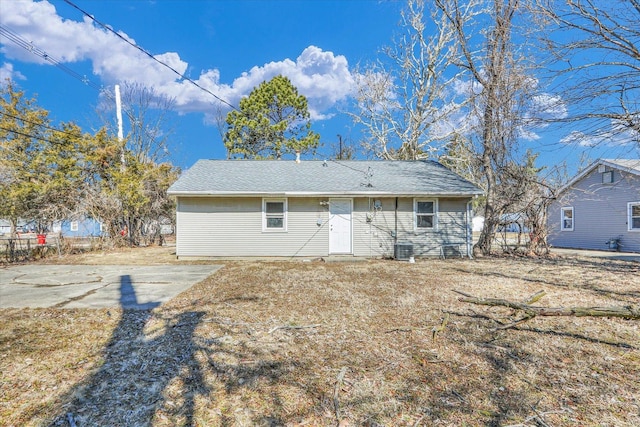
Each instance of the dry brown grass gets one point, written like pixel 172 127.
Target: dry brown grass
pixel 266 342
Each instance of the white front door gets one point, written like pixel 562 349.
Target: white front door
pixel 340 226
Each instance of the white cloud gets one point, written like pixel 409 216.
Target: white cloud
pixel 8 73
pixel 546 106
pixel 614 134
pixel 323 77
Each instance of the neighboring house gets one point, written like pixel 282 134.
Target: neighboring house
pixel 229 208
pixel 477 223
pixel 22 226
pixel 81 227
pixel 5 226
pixel 510 223
pixel 599 208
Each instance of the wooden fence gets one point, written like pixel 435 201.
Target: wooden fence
pixel 29 246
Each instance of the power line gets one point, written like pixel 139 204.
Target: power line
pixel 35 50
pixel 38 124
pixel 29 46
pixel 182 76
pixel 29 135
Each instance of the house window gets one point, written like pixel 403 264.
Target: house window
pixel 73 226
pixel 607 177
pixel 566 219
pixel 634 216
pixel 274 215
pixel 425 214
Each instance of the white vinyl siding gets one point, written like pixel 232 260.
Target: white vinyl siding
pixel 375 237
pixel 566 219
pixel 634 216
pixel 233 227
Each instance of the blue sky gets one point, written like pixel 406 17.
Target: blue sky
pixel 227 46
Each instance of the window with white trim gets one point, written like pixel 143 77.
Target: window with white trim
pixel 425 214
pixel 73 226
pixel 634 216
pixel 566 219
pixel 274 214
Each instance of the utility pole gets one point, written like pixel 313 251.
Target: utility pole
pixel 119 118
pixel 126 231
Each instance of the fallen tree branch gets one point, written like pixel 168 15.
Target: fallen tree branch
pixel 437 329
pixel 534 298
pixel 626 312
pixel 336 393
pixel 293 327
pixel 404 329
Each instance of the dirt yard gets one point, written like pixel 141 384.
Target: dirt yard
pixel 270 343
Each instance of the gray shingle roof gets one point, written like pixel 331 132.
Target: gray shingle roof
pixel 627 165
pixel 281 177
pixel 632 165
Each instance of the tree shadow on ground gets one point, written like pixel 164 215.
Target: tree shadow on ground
pixel 137 369
pixel 157 370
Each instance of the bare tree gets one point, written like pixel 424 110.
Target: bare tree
pixel 148 115
pixel 596 53
pixel 499 90
pixel 134 194
pixel 402 100
pixel 343 149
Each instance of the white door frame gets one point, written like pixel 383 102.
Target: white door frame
pixel 340 246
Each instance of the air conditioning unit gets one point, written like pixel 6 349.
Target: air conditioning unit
pixel 403 251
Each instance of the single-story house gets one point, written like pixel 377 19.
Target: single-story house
pixel 599 208
pixel 231 208
pixel 22 226
pixel 510 223
pixel 79 227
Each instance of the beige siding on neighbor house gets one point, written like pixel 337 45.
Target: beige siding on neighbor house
pixel 227 227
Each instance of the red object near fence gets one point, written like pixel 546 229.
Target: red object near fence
pixel 42 239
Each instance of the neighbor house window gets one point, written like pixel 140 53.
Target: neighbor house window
pixel 425 214
pixel 73 226
pixel 566 219
pixel 274 215
pixel 634 216
pixel 607 177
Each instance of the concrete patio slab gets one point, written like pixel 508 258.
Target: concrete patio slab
pixel 97 286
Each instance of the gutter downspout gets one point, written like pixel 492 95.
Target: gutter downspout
pixel 370 223
pixel 395 237
pixel 469 230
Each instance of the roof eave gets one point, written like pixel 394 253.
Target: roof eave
pixel 591 168
pixel 321 194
